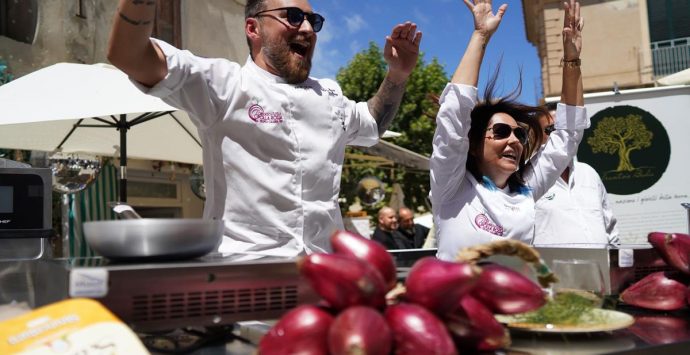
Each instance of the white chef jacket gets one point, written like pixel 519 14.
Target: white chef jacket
pixel 467 212
pixel 273 151
pixel 576 213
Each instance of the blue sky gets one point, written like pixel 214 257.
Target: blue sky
pixel 351 24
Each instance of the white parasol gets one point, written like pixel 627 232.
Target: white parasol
pixel 66 106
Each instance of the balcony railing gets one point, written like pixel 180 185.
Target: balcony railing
pixel 670 56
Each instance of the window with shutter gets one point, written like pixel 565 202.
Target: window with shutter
pixel 668 19
pixel 167 25
pixel 18 19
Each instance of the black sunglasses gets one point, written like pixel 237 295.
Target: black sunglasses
pixel 295 17
pixel 548 129
pixel 503 131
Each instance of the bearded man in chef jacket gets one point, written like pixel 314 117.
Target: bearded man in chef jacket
pixel 274 138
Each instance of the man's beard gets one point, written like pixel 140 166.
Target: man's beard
pixel 279 55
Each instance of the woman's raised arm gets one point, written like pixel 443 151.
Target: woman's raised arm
pixel 485 24
pixel 572 92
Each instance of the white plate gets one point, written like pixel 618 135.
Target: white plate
pixel 603 320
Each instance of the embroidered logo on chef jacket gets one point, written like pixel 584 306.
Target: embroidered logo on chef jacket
pixel 512 208
pixel 550 196
pixel 485 224
pixel 257 114
pixel 331 92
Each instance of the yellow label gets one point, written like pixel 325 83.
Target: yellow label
pixel 74 326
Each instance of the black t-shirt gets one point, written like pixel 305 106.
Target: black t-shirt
pixel 416 237
pixel 391 240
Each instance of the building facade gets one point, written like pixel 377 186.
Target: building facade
pixel 627 43
pixel 35 34
pixel 38 33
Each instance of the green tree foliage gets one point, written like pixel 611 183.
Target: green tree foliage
pixel 360 80
pixel 621 135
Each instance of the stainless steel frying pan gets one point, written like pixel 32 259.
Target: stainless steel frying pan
pixel 148 238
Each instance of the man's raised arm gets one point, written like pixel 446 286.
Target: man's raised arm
pixel 130 48
pixel 400 52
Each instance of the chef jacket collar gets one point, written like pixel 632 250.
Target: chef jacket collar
pixel 263 73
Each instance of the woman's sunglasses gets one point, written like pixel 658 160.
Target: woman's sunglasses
pixel 295 17
pixel 503 131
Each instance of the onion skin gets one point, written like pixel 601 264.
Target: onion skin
pixel 438 285
pixel 473 326
pixel 656 291
pixel 347 243
pixel 417 331
pixel 360 330
pixel 656 330
pixel 303 330
pixel 343 280
pixel 674 248
pixel 506 291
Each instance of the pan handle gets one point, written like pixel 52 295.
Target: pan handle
pixel 123 210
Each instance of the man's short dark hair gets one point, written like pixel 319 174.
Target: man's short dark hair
pixel 252 7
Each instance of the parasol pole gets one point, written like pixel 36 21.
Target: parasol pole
pixel 122 127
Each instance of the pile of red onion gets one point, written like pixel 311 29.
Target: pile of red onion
pixel 444 306
pixel 664 291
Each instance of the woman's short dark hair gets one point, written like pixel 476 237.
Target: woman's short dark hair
pixel 521 113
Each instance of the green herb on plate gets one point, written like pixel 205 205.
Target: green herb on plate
pixel 564 309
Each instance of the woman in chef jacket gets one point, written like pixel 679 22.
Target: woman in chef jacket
pixel 483 187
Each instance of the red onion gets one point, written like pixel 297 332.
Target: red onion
pixel 473 326
pixel 674 248
pixel 417 331
pixel 506 291
pixel 347 243
pixel 343 280
pixel 438 285
pixel 656 291
pixel 660 329
pixel 303 330
pixel 360 330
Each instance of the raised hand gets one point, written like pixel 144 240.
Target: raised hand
pixel 402 50
pixel 572 30
pixel 485 21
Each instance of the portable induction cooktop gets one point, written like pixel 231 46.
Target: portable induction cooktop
pixel 209 291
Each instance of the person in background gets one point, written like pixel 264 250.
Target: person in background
pixel 274 138
pixel 482 187
pixel 386 232
pixel 575 211
pixel 415 233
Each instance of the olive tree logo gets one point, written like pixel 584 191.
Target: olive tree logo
pixel 622 136
pixel 628 147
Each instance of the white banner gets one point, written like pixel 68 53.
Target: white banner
pixel 639 143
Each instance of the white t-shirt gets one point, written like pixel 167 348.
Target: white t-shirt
pixel 576 213
pixel 468 212
pixel 273 152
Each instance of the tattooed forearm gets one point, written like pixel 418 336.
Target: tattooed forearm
pixel 134 6
pixel 133 22
pixel 384 105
